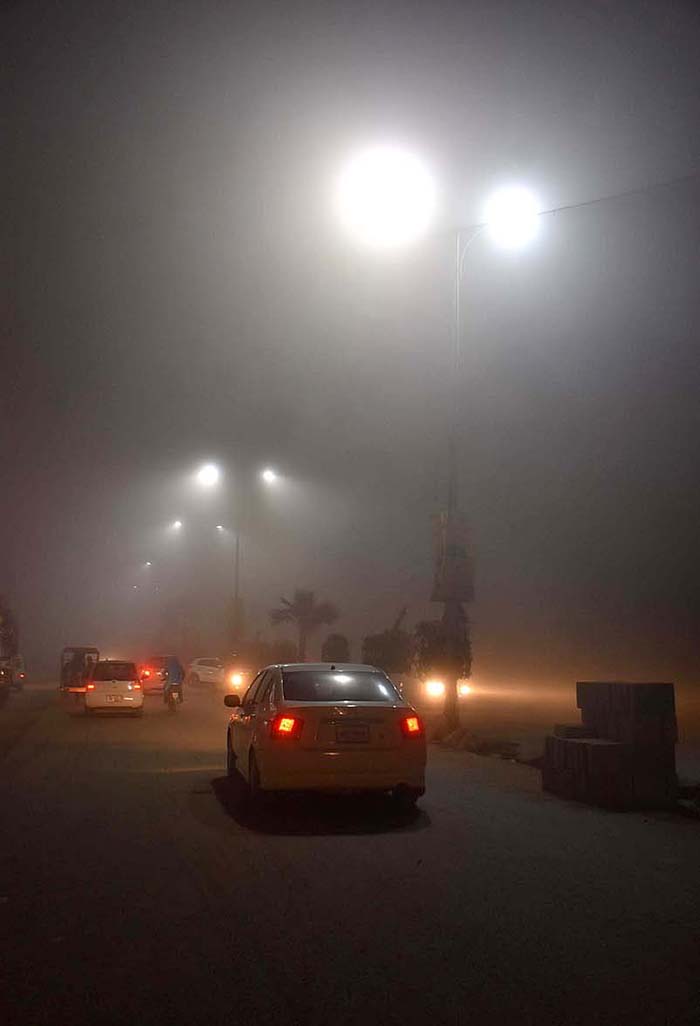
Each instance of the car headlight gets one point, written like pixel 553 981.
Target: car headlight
pixel 434 688
pixel 464 690
pixel 236 679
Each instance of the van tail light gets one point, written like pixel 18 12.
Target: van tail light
pixel 286 726
pixel 89 687
pixel 137 686
pixel 412 726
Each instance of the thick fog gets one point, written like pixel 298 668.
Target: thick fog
pixel 177 289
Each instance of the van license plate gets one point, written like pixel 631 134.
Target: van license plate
pixel 356 733
pixel 114 698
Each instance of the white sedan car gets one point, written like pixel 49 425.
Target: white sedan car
pixel 205 671
pixel 326 727
pixel 114 685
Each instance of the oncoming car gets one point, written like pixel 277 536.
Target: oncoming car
pixel 238 678
pixel 114 685
pixel 326 727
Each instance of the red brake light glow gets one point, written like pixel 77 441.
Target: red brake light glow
pixel 412 726
pixel 286 726
pixel 90 687
pixel 137 686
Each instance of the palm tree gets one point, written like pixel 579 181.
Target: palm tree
pixel 304 611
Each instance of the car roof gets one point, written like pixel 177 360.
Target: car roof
pixel 299 667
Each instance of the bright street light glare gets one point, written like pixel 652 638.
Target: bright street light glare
pixel 512 217
pixel 148 563
pixel 177 524
pixel 268 475
pixel 385 197
pixel 208 475
pixel 219 527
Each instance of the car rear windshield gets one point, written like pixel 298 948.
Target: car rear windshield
pixel 114 671
pixel 338 686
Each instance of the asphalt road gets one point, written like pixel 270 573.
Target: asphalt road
pixel 133 890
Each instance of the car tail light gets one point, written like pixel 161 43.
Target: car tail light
pixel 89 687
pixel 412 726
pixel 286 726
pixel 137 686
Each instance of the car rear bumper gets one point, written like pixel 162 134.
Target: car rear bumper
pixel 126 704
pixel 300 770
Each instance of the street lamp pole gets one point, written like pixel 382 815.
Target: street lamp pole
pixel 241 518
pixel 385 197
pixel 237 568
pixel 453 585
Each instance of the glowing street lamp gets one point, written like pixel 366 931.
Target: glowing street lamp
pixel 268 475
pixel 176 525
pixel 385 197
pixel 512 217
pixel 208 475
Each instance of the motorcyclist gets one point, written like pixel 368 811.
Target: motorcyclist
pixel 173 677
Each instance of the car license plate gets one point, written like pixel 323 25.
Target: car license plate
pixel 352 733
pixel 114 698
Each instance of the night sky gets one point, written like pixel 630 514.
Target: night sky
pixel 176 288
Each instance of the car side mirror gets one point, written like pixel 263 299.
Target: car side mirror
pixel 232 701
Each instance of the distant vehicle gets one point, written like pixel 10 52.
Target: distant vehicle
pixel 326 727
pixel 5 682
pixel 10 675
pixel 205 671
pixel 19 673
pixel 238 677
pixel 76 664
pixel 114 685
pixel 157 671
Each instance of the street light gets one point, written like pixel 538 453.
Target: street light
pixel 385 197
pixel 208 475
pixel 512 217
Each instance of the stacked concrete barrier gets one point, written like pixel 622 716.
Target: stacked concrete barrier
pixel 622 755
